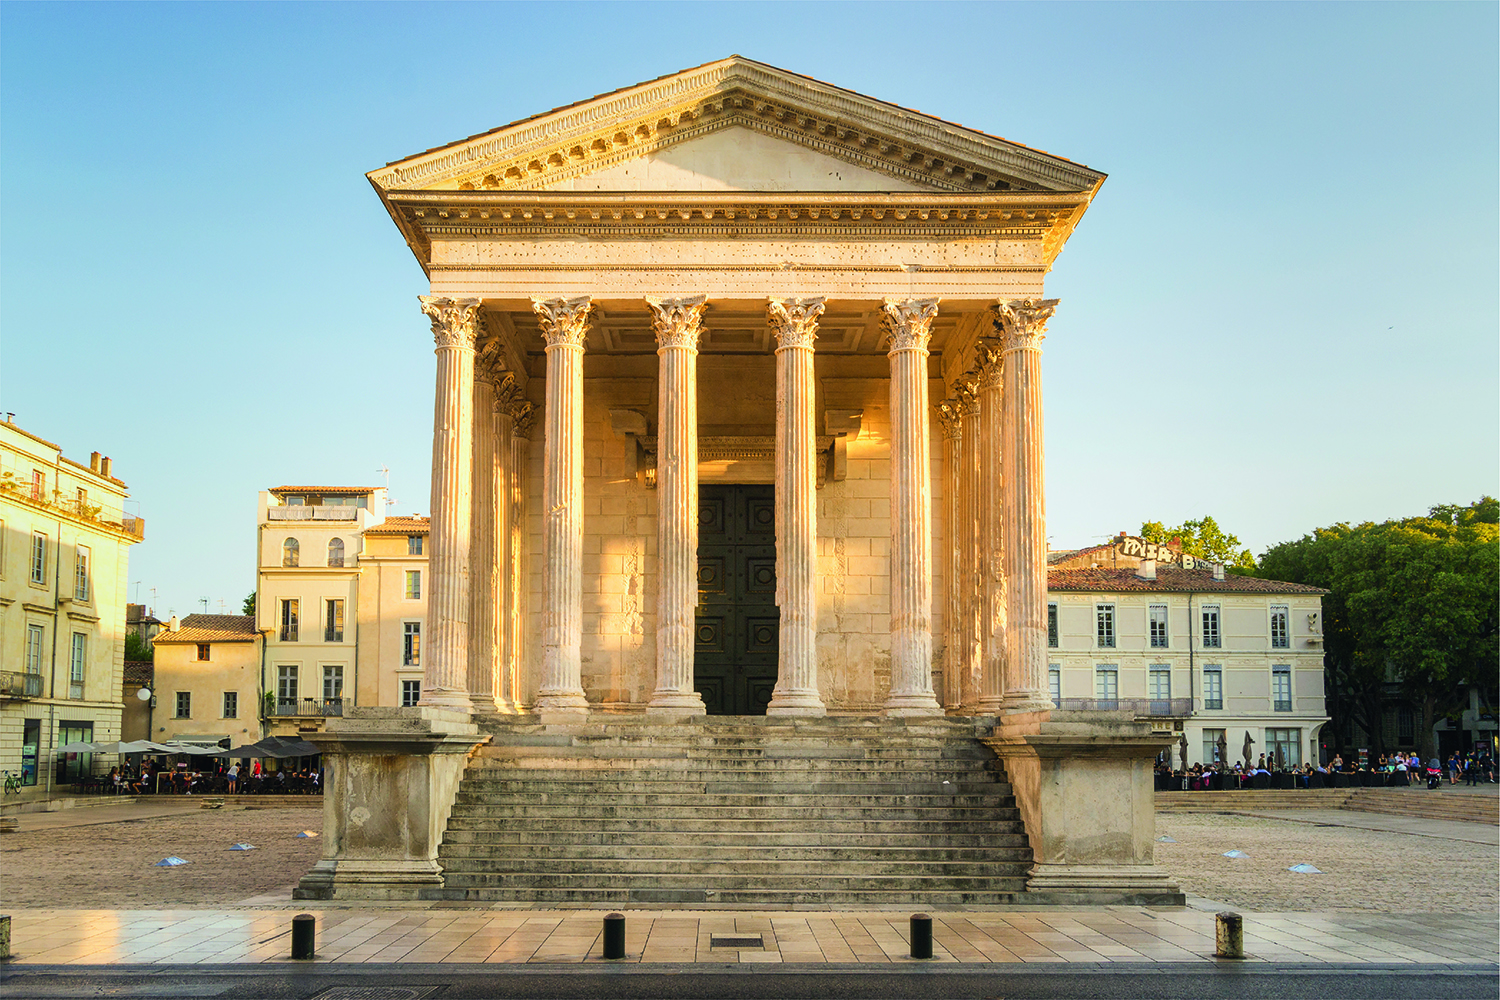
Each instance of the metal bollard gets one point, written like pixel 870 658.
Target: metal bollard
pixel 614 935
pixel 921 935
pixel 304 935
pixel 1229 935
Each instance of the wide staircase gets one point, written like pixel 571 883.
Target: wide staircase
pixel 1417 802
pixel 735 811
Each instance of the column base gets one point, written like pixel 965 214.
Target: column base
pixel 481 705
pixel 676 703
pixel 1143 885
pixel 796 703
pixel 562 706
pixel 1026 703
pixel 909 705
pixel 369 880
pixel 447 699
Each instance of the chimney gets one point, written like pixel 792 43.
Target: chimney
pixel 1218 571
pixel 172 625
pixel 104 466
pixel 1147 569
pixel 94 461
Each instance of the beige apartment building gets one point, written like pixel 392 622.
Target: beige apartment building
pixel 208 680
pixel 65 540
pixel 392 610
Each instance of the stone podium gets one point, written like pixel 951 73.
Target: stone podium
pixel 390 782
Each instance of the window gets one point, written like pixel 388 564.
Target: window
pixel 231 704
pixel 81 573
pixel 75 667
pixel 1159 687
pixel 1105 616
pixel 411 655
pixel 1406 726
pixel 1054 683
pixel 38 485
pixel 1213 686
pixel 333 683
pixel 203 651
pixel 290 552
pixel 1210 626
pixel 289 609
pixel 1211 738
pixel 1281 688
pixel 333 620
pixel 411 693
pixel 1107 685
pixel 1284 746
pixel 184 705
pixel 1052 625
pixel 35 636
pixel 38 557
pixel 413 545
pixel 1158 623
pixel 413 584
pixel 1280 639
pixel 336 552
pixel 286 690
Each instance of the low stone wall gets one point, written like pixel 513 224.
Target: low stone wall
pixel 1415 802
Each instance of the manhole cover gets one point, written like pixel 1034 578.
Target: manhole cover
pixel 735 941
pixel 376 993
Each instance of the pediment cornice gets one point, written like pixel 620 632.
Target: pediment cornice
pixel 599 133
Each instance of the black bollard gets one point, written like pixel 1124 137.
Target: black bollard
pixel 614 935
pixel 304 935
pixel 921 935
pixel 1229 935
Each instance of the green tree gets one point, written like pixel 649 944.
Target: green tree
pixel 1203 539
pixel 137 648
pixel 248 607
pixel 1411 603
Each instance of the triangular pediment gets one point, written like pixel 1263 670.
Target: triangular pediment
pixel 735 125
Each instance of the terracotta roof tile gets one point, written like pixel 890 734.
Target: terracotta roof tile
pixel 1169 579
pixel 210 628
pixel 401 526
pixel 139 673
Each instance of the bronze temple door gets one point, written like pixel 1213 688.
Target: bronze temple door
pixel 734 659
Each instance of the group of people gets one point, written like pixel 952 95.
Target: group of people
pixel 1393 769
pixel 227 778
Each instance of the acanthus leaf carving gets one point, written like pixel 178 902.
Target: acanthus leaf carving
pixel 564 322
pixel 907 323
pixel 795 321
pixel 454 321
pixel 989 366
pixel 1022 323
pixel 678 322
pixel 523 415
pixel 950 416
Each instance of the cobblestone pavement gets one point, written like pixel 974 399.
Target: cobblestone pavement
pixel 1373 870
pixel 103 864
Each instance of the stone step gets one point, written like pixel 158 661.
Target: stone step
pixel 507 763
pixel 748 849
pixel 699 824
pixel 832 796
pixel 786 814
pixel 796 882
pixel 610 844
pixel 1001 863
pixel 896 755
pixel 739 899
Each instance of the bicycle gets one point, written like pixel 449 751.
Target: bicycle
pixel 12 783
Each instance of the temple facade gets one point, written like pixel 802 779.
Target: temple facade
pixel 738 404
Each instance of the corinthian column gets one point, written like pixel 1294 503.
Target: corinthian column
pixel 445 663
pixel 678 323
pixel 949 418
pixel 482 659
pixel 908 325
pixel 970 562
pixel 515 678
pixel 505 393
pixel 1022 324
pixel 795 323
pixel 992 536
pixel 564 327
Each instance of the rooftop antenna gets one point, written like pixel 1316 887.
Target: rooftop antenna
pixel 204 601
pixel 153 602
pixel 137 586
pixel 385 474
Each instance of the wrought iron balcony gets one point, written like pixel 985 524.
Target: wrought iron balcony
pixel 18 685
pixel 1141 708
pixel 309 707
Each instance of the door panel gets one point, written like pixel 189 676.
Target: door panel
pixel 738 624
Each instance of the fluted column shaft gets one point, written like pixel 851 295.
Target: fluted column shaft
pixel 482 660
pixel 444 671
pixel 678 324
pixel 970 562
pixel 504 596
pixel 523 418
pixel 1022 324
pixel 992 616
pixel 908 325
pixel 949 418
pixel 795 323
pixel 565 327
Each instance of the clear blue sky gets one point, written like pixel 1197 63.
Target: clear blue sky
pixel 1281 309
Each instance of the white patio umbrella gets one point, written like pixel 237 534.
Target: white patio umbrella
pixel 78 746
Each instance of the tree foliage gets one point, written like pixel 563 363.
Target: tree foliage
pixel 137 648
pixel 1411 603
pixel 248 607
pixel 1204 539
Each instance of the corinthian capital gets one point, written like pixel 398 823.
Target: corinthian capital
pixel 678 322
pixel 988 365
pixel 795 321
pixel 524 415
pixel 907 323
pixel 489 367
pixel 950 413
pixel 966 392
pixel 507 393
pixel 454 321
pixel 1022 323
pixel 564 322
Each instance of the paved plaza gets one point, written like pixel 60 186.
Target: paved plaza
pixel 1393 890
